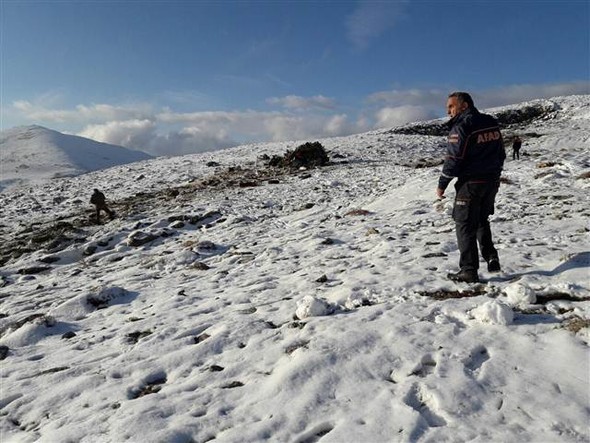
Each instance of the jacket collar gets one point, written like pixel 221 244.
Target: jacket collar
pixel 461 117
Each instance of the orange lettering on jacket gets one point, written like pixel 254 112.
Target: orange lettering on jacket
pixel 488 136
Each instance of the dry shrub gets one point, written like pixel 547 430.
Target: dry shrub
pixel 547 164
pixel 575 324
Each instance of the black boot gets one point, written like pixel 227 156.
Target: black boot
pixel 494 265
pixel 467 276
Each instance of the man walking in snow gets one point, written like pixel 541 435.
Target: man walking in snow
pixel 516 144
pixel 475 156
pixel 98 199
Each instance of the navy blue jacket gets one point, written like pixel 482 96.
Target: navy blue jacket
pixel 475 150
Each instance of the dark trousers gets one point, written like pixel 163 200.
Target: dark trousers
pixel 515 154
pixel 474 203
pixel 103 207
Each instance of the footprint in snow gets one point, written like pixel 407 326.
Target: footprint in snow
pixel 476 359
pixel 420 401
pixel 315 434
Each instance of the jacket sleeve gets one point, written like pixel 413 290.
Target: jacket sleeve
pixel 454 158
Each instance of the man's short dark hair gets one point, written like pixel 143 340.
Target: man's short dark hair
pixel 463 97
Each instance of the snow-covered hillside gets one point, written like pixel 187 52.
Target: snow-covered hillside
pixel 34 153
pixel 233 302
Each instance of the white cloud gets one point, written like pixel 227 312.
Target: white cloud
pixel 128 133
pixel 167 132
pixel 300 127
pixel 400 115
pixel 508 95
pixel 82 113
pixel 206 131
pixel 142 135
pixel 304 103
pixel 337 125
pixel 432 101
pixel 410 97
pixel 371 19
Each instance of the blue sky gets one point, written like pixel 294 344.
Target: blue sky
pixel 172 77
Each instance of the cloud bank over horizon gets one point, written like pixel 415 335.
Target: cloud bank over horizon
pixel 165 131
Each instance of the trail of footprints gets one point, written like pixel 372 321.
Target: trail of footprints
pixel 420 399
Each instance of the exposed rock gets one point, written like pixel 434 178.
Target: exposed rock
pixel 206 245
pixel 233 384
pixel 90 249
pixel 104 297
pixel 50 259
pixel 248 184
pixel 322 279
pixel 434 254
pixel 134 337
pixel 34 270
pixel 172 193
pixel 202 338
pixel 506 118
pixel 139 238
pixel 200 266
pixel 3 352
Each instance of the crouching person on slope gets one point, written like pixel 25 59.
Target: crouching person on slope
pixel 475 156
pixel 99 201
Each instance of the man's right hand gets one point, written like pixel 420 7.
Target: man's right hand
pixel 440 193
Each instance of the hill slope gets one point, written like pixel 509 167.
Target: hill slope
pixel 34 153
pixel 243 303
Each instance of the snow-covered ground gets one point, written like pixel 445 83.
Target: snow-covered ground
pixel 313 307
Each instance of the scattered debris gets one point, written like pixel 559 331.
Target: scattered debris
pixel 151 387
pixel 576 324
pixel 444 294
pixel 292 348
pixel 357 212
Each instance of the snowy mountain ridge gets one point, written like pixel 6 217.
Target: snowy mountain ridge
pixel 231 301
pixel 35 153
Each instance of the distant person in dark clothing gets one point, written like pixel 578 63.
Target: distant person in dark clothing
pixel 516 144
pixel 475 156
pixel 98 199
